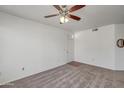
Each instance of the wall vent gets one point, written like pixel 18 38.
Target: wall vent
pixel 95 29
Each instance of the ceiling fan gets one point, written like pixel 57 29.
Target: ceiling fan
pixel 65 13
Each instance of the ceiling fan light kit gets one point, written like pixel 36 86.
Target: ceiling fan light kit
pixel 63 19
pixel 64 13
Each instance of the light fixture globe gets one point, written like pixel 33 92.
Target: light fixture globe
pixel 63 19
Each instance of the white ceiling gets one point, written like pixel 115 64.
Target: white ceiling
pixel 92 15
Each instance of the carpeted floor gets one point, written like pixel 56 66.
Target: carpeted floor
pixel 72 75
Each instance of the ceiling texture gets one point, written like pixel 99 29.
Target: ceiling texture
pixel 92 15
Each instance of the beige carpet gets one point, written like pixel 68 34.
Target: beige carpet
pixel 72 75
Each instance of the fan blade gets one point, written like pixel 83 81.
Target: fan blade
pixel 58 7
pixel 51 15
pixel 74 17
pixel 76 7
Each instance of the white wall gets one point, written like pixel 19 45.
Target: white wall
pixel 70 51
pixel 34 46
pixel 119 52
pixel 96 48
